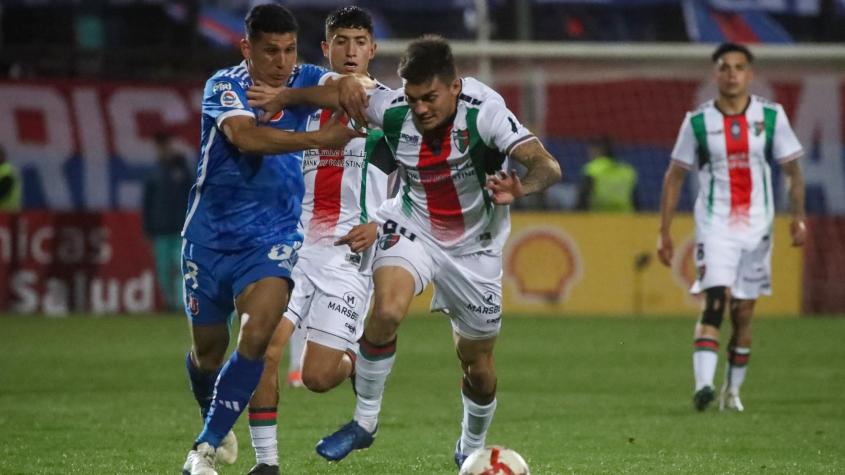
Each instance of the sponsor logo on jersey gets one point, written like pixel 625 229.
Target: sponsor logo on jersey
pixel 387 241
pixel 230 99
pixel 221 86
pixel 461 139
pixel 735 129
pixel 411 139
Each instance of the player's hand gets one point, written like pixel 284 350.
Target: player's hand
pixel 270 100
pixel 335 134
pixel 360 237
pixel 353 99
pixel 665 249
pixel 505 187
pixel 799 232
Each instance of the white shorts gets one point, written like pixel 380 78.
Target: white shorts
pixel 330 304
pixel 743 265
pixel 468 288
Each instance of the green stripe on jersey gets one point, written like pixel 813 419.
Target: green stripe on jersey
pixel 373 136
pixel 392 126
pixel 700 131
pixel 477 153
pixel 769 118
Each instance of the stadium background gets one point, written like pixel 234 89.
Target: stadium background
pixel 85 86
pixel 85 91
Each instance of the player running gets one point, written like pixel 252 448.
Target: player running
pixel 333 287
pixel 240 234
pixel 733 142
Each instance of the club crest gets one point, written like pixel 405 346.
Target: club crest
pixel 461 139
pixel 387 241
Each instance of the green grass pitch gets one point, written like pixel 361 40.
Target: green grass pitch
pixel 88 395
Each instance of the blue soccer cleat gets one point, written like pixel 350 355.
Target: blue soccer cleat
pixel 348 438
pixel 460 457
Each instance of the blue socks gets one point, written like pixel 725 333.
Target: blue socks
pixel 235 385
pixel 202 384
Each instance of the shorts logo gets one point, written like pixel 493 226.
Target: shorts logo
pixel 230 99
pixel 387 241
pixel 490 306
pixel 349 298
pixel 278 116
pixel 193 304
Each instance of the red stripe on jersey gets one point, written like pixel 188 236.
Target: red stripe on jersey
pixel 739 168
pixel 327 187
pixel 444 206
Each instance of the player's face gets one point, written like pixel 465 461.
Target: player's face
pixel 271 57
pixel 733 74
pixel 433 103
pixel 349 50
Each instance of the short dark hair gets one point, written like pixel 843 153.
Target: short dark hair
pixel 269 18
pixel 428 57
pixel 732 48
pixel 349 17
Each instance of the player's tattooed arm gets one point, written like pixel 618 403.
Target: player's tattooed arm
pixel 543 171
pixel 795 178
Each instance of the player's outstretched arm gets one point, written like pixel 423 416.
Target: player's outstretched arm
pixel 243 133
pixel 672 182
pixel 345 92
pixel 795 178
pixel 543 171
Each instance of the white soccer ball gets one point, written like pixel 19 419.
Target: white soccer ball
pixel 494 460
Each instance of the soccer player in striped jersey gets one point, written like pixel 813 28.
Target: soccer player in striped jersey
pixel 451 139
pixel 241 230
pixel 333 281
pixel 732 142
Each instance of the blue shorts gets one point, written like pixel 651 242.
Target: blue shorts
pixel 213 279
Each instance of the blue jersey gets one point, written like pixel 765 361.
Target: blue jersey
pixel 241 201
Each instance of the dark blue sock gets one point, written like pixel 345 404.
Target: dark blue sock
pixel 202 384
pixel 238 380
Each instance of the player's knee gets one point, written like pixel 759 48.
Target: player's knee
pixel 715 299
pixel 254 340
pixel 209 361
pixel 318 380
pixel 387 317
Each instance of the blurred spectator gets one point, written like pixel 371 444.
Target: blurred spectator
pixel 10 185
pixel 165 200
pixel 608 185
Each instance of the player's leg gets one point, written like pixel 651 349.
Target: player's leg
pixel 296 347
pixel 324 367
pixel 402 269
pixel 469 289
pixel 263 406
pixel 717 259
pixel 478 393
pixel 261 285
pixel 739 351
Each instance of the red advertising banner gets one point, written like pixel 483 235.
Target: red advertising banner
pixel 824 266
pixel 59 263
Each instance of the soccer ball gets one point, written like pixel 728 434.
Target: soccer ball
pixel 494 460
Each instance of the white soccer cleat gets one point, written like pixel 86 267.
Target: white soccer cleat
pixel 227 453
pixel 200 461
pixel 729 401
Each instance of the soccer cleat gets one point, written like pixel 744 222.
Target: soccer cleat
pixel 729 400
pixel 264 469
pixel 460 457
pixel 348 438
pixel 295 379
pixel 200 461
pixel 703 397
pixel 227 453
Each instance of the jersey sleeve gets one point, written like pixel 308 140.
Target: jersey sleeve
pixel 785 145
pixel 684 151
pixel 499 128
pixel 380 99
pixel 223 98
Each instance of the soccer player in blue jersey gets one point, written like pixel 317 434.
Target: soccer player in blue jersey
pixel 240 235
